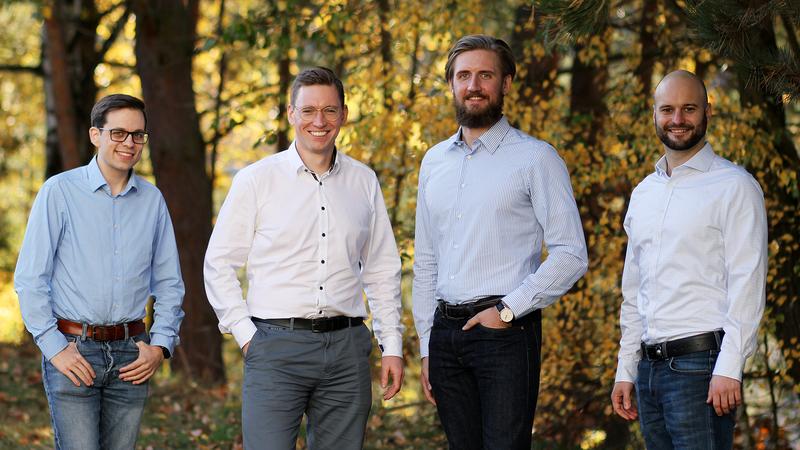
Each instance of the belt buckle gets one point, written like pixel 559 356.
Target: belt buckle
pixel 98 333
pixel 317 326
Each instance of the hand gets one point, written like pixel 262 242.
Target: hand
pixel 391 366
pixel 489 318
pixel 724 393
pixel 621 398
pixel 426 385
pixel 70 362
pixel 139 371
pixel 245 347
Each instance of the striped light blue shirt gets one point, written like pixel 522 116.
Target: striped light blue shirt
pixel 483 216
pixel 94 258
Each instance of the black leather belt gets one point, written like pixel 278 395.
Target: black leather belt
pixel 321 325
pixel 467 310
pixel 679 347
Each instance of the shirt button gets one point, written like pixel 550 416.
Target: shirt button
pixel 323 208
pixel 320 288
pixel 459 216
pixel 116 252
pixel 452 277
pixel 463 185
pixel 323 261
pixel 323 234
pixel 116 226
pixel 469 156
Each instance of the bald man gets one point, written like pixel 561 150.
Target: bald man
pixel 693 285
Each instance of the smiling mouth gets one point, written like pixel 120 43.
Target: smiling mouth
pixel 318 133
pixel 125 155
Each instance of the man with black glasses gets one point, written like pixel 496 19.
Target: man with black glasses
pixel 311 226
pixel 99 243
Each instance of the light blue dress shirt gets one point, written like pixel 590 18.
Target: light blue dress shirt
pixel 483 216
pixel 94 258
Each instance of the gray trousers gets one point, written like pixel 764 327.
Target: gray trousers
pixel 291 372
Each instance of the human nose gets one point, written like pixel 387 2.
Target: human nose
pixel 319 117
pixel 129 140
pixel 474 84
pixel 677 116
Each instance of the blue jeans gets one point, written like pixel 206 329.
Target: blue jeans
pixel 486 382
pixel 673 412
pixel 105 415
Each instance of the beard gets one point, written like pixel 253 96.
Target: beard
pixel 481 118
pixel 698 133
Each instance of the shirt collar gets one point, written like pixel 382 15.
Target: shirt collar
pixel 97 181
pixel 491 139
pixel 296 163
pixel 701 161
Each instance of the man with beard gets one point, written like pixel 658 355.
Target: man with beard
pixel 489 197
pixel 694 281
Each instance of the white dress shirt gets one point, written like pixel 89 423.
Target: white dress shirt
pixel 313 244
pixel 696 261
pixel 483 215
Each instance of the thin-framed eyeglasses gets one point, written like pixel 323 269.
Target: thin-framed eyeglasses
pixel 118 135
pixel 330 113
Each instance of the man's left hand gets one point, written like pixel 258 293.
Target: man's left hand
pixel 724 393
pixel 391 367
pixel 489 318
pixel 139 371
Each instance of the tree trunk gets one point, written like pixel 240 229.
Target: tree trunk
pixel 69 61
pixel 284 82
pixel 649 52
pixel 536 73
pixel 165 35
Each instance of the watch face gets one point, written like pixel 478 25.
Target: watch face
pixel 506 315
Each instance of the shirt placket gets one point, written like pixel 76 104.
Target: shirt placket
pixel 658 240
pixel 322 236
pixel 117 267
pixel 458 211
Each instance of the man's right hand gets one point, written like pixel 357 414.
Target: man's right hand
pixel 70 362
pixel 426 385
pixel 245 347
pixel 622 400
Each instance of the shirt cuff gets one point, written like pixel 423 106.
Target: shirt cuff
pixel 518 303
pixel 423 346
pixel 627 370
pixel 167 342
pixel 392 346
pixel 244 331
pixel 729 365
pixel 51 343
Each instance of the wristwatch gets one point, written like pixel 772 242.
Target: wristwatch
pixel 506 315
pixel 165 352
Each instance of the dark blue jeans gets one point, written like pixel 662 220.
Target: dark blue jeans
pixel 673 412
pixel 105 415
pixel 486 382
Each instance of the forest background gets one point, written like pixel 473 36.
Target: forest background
pixel 215 74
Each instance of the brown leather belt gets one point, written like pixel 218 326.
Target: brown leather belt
pixel 102 332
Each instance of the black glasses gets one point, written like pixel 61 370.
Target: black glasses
pixel 117 135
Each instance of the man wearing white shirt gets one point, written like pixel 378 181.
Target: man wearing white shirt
pixel 693 284
pixel 311 226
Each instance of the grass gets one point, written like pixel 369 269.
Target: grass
pixel 183 415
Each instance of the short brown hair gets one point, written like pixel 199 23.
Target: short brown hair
pixel 112 102
pixel 482 42
pixel 317 76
